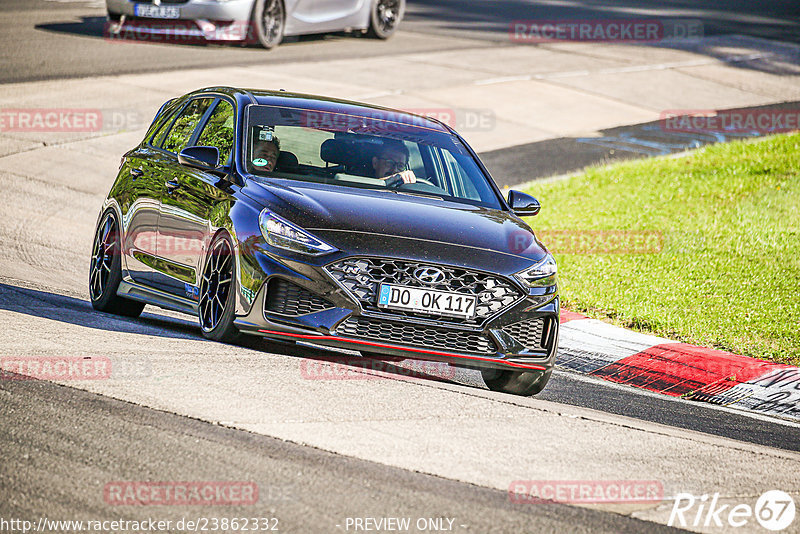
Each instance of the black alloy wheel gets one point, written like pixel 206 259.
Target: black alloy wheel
pixel 105 270
pixel 217 292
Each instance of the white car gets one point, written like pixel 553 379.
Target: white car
pixel 264 21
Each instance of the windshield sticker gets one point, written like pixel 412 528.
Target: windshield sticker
pixel 266 133
pixel 260 162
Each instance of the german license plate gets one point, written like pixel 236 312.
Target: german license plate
pixel 157 12
pixel 423 300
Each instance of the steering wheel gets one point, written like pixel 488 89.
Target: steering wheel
pixel 396 182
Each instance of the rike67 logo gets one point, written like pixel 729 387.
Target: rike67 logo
pixel 774 510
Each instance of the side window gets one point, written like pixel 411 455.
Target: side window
pixel 158 137
pixel 432 159
pixel 461 182
pixel 415 162
pixel 218 131
pixel 181 131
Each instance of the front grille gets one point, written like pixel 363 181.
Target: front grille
pixel 362 277
pixel 529 334
pixel 286 298
pixel 429 337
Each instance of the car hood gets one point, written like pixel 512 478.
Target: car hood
pixel 335 211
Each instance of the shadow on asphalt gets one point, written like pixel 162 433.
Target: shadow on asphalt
pixel 777 20
pixel 87 27
pixel 79 312
pixel 521 164
pixel 329 364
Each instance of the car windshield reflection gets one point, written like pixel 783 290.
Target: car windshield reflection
pixel 402 153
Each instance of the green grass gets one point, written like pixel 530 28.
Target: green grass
pixel 727 274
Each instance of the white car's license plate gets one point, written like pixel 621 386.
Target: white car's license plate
pixel 426 301
pixel 157 12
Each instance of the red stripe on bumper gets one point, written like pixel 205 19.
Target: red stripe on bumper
pixel 311 337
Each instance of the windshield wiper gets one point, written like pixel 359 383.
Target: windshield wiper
pixel 425 195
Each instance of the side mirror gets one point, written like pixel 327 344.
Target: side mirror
pixel 205 158
pixel 523 204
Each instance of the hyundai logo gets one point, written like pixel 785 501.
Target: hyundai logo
pixel 429 275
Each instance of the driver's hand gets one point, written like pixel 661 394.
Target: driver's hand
pixel 408 177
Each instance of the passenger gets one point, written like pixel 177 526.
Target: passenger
pixel 265 154
pixel 391 163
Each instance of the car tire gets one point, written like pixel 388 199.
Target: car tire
pixel 385 17
pixel 217 301
pixel 105 270
pixel 525 383
pixel 269 20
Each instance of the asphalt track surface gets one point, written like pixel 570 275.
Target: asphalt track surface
pixel 564 387
pixel 49 39
pixel 55 466
pixel 565 155
pixel 61 444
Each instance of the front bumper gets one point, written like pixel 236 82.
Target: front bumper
pixel 199 20
pixel 180 31
pixel 303 302
pixel 232 10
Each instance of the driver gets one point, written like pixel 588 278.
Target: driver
pixel 265 154
pixel 391 163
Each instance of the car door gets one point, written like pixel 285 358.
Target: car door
pixel 317 16
pixel 140 215
pixel 190 203
pixel 142 173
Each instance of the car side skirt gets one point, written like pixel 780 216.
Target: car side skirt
pixel 162 299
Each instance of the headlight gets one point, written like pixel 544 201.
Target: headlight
pixel 282 234
pixel 543 274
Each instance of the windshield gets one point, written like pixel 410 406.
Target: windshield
pixel 400 154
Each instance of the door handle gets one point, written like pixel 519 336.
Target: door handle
pixel 137 173
pixel 172 185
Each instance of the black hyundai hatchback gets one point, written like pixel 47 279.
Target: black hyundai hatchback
pixel 296 217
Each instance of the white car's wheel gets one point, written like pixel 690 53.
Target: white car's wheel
pixel 269 19
pixel 385 17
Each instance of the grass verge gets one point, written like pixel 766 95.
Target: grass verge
pixel 703 248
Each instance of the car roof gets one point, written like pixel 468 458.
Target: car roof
pixel 331 105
